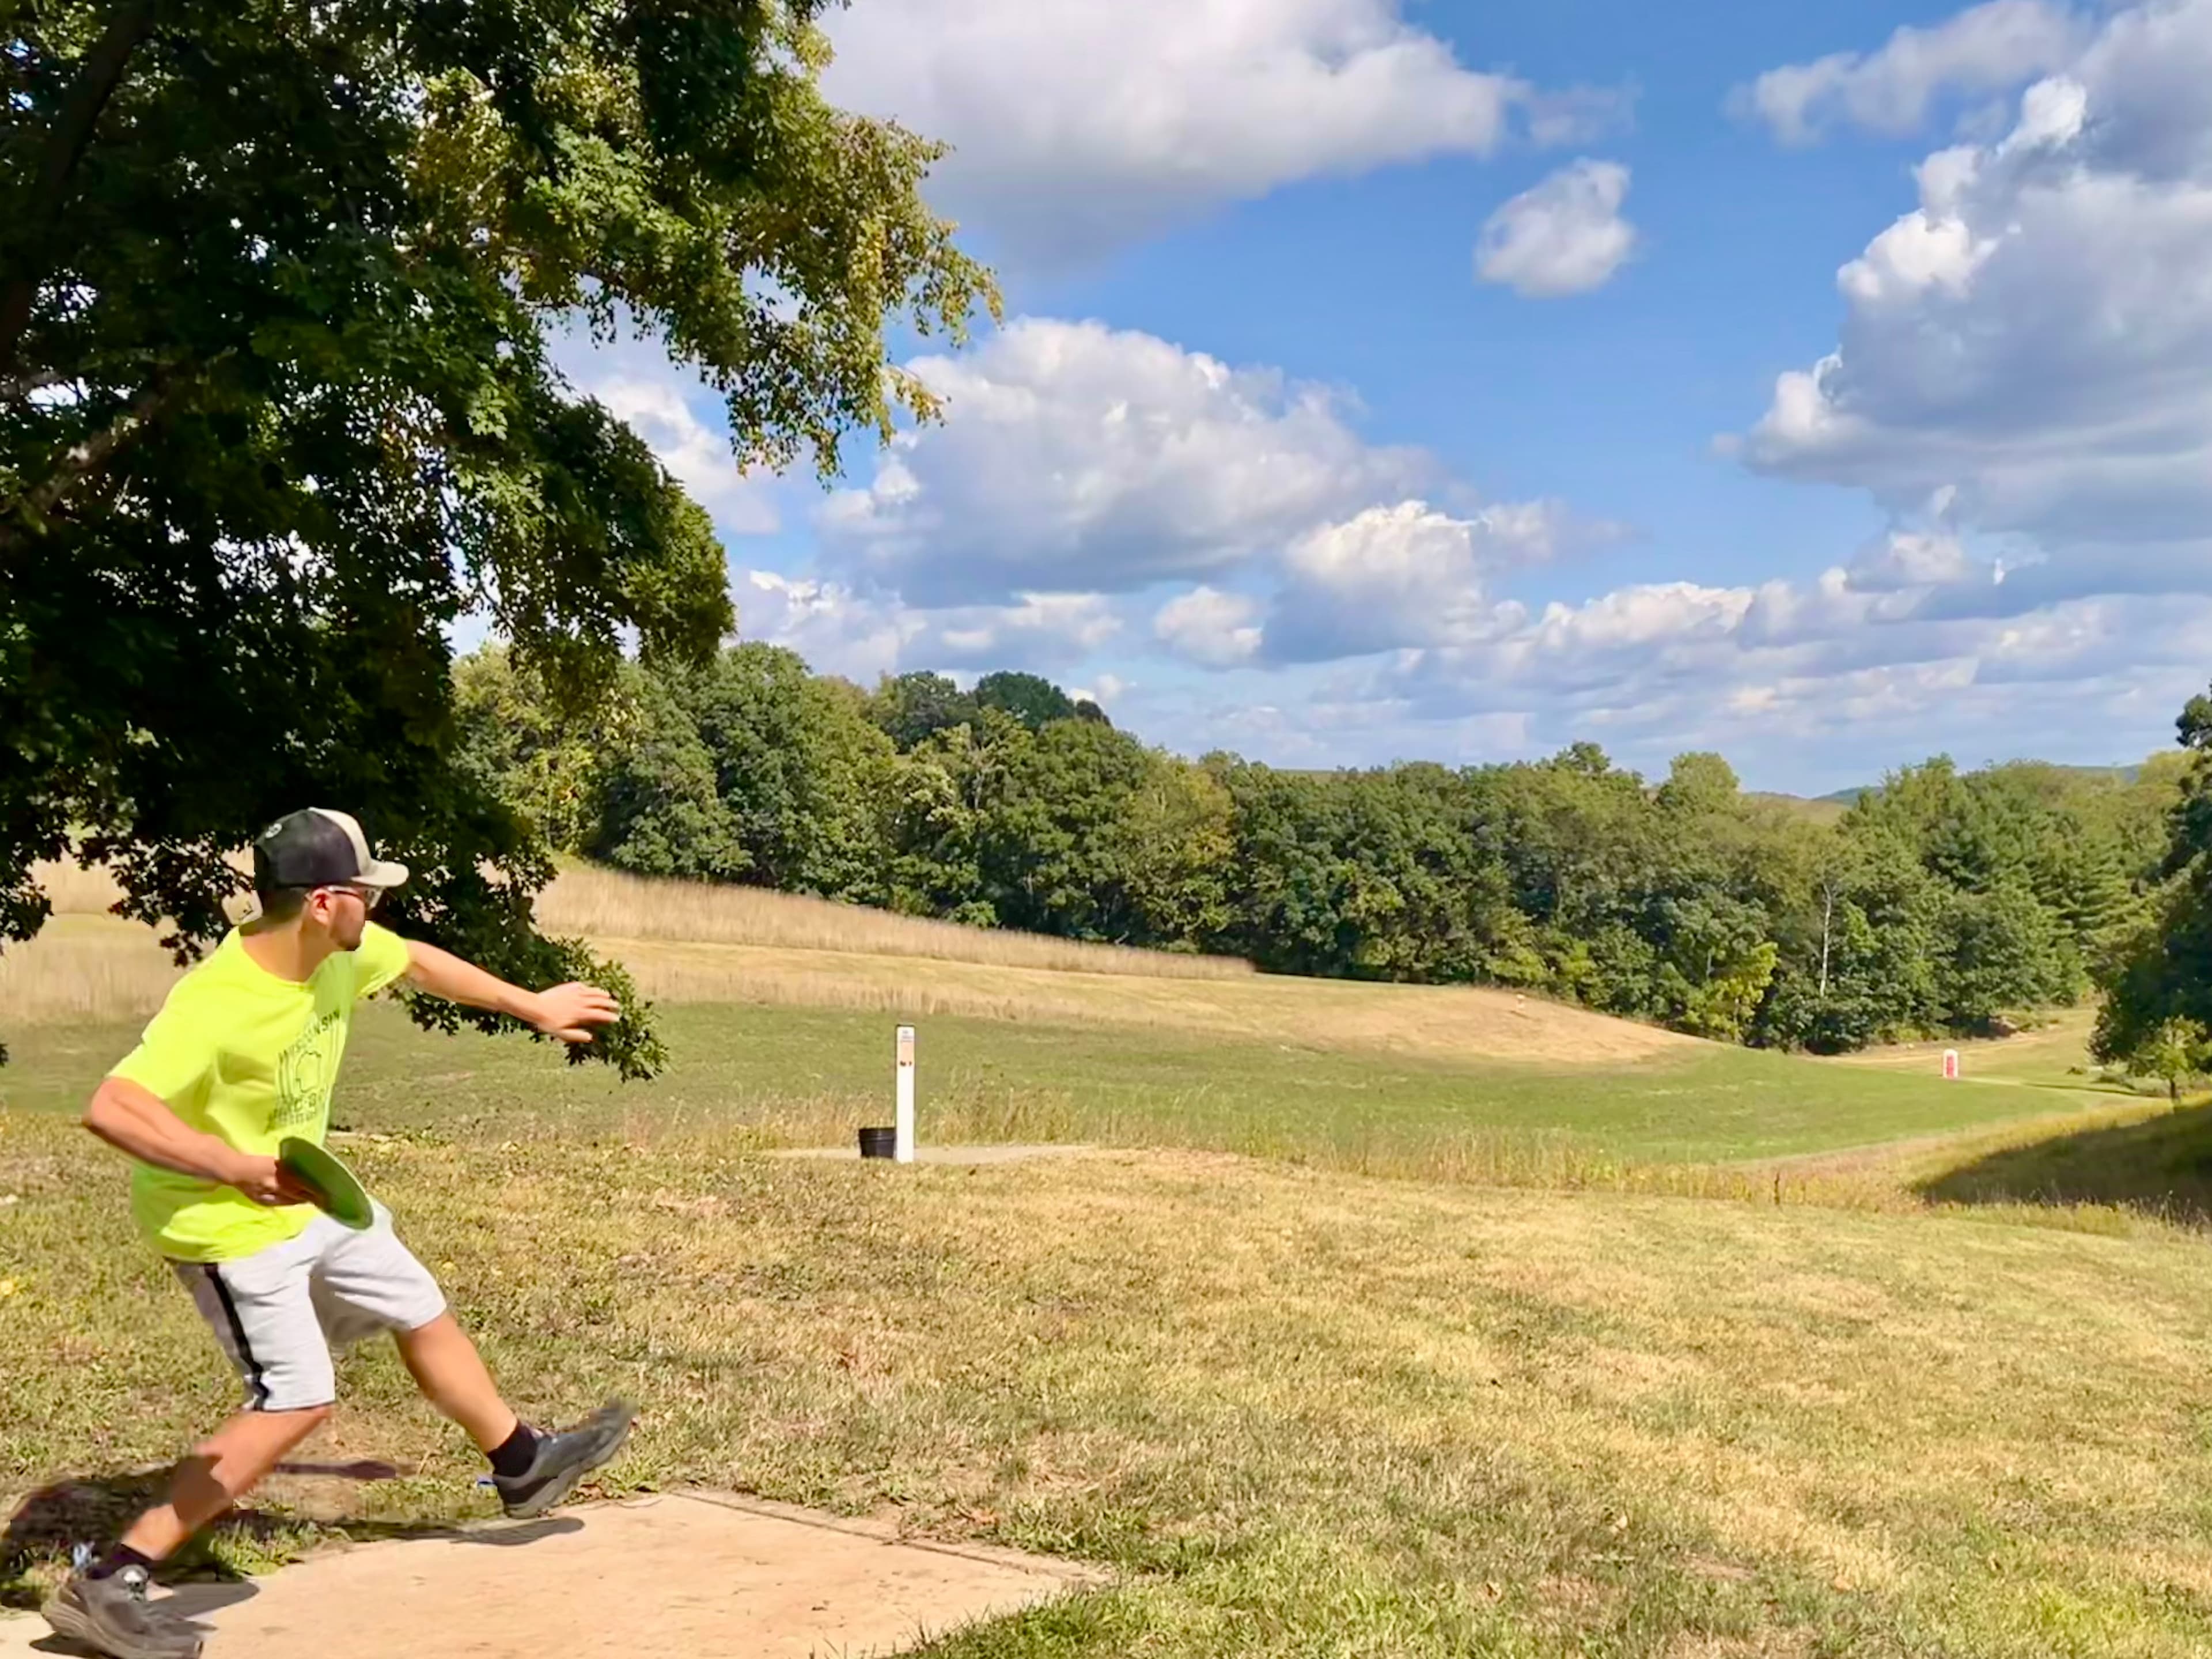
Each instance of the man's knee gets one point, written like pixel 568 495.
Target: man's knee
pixel 286 1422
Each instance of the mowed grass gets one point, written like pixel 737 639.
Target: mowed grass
pixel 1521 1397
pixel 1298 1412
pixel 783 1077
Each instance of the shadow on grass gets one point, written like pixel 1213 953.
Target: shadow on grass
pixel 2159 1165
pixel 94 1509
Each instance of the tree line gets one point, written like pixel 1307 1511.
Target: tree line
pixel 1943 901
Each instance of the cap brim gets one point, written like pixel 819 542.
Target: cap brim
pixel 379 874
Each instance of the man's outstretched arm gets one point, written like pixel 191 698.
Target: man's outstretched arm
pixel 567 1012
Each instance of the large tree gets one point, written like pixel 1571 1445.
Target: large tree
pixel 2165 974
pixel 277 407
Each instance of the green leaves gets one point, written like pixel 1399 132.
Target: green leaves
pixel 276 411
pixel 2163 973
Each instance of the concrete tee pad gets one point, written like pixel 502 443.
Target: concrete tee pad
pixel 683 1575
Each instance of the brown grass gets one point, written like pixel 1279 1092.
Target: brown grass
pixel 607 904
pixel 1429 1022
pixel 83 968
pixel 688 943
pixel 89 965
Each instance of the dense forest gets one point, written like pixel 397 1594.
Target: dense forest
pixel 1941 902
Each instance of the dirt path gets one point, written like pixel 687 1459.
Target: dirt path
pixel 680 1575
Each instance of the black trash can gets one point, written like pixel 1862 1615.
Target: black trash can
pixel 879 1143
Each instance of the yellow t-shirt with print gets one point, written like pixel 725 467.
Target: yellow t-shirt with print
pixel 241 1054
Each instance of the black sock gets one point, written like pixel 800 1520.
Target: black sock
pixel 115 1557
pixel 513 1455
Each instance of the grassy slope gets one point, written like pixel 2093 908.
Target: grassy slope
pixel 794 1076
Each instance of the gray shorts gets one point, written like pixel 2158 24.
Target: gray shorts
pixel 281 1313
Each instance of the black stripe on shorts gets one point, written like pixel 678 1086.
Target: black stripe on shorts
pixel 256 1388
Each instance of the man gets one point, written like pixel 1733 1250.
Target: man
pixel 242 1054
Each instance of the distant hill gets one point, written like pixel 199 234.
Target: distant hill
pixel 1826 810
pixel 1848 797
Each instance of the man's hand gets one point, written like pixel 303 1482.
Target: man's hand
pixel 569 1012
pixel 266 1182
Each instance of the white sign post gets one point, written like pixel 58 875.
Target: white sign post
pixel 1950 1065
pixel 902 1136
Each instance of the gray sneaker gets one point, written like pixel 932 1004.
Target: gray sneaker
pixel 113 1616
pixel 565 1458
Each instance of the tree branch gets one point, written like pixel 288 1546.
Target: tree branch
pixel 96 81
pixel 17 387
pixel 90 458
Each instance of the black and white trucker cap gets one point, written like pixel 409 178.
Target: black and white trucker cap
pixel 319 848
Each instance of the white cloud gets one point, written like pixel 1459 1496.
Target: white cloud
pixel 1106 690
pixel 1904 559
pixel 1077 124
pixel 700 459
pixel 1210 628
pixel 1661 667
pixel 863 636
pixel 1986 49
pixel 1043 631
pixel 2033 342
pixel 835 629
pixel 1566 236
pixel 1076 457
pixel 1897 653
pixel 1407 575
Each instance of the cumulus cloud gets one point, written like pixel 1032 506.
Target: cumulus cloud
pixel 1895 646
pixel 839 630
pixel 1076 457
pixel 1903 560
pixel 1210 628
pixel 1566 236
pixel 699 457
pixel 1679 665
pixel 2032 344
pixel 1081 124
pixel 1987 49
pixel 1404 576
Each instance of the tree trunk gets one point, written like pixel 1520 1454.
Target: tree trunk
pixel 97 77
pixel 1827 925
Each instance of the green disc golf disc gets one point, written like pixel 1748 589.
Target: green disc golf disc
pixel 338 1194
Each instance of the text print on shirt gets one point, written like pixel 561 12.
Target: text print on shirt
pixel 304 1073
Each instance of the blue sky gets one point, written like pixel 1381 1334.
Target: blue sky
pixel 1830 386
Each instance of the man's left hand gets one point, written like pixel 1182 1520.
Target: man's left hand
pixel 570 1011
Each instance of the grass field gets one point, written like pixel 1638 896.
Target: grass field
pixel 87 963
pixel 771 1077
pixel 1345 1339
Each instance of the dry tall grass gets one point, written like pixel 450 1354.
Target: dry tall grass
pixel 77 891
pixel 606 904
pixel 88 964
pixel 1433 1021
pixel 690 943
pixel 83 968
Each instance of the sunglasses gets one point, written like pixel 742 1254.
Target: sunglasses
pixel 370 897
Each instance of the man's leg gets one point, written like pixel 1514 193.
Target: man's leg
pixel 219 1472
pixel 262 1315
pixel 262 1311
pixel 371 1279
pixel 451 1374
